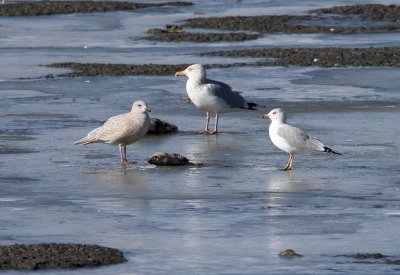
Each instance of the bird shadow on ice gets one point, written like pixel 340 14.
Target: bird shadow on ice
pixel 117 174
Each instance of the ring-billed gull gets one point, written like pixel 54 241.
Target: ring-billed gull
pixel 292 139
pixel 212 96
pixel 122 129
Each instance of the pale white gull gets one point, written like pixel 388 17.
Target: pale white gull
pixel 292 139
pixel 212 96
pixel 122 129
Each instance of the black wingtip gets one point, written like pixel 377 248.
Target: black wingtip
pixel 252 106
pixel 329 150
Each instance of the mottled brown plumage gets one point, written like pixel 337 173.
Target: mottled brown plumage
pixel 122 129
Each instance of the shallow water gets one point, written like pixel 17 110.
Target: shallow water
pixel 234 214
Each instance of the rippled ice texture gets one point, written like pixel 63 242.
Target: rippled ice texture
pixel 234 214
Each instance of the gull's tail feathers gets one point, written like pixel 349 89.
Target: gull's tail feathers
pixel 84 141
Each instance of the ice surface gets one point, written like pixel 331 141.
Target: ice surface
pixel 234 214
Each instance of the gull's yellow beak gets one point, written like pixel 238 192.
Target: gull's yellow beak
pixel 265 116
pixel 180 73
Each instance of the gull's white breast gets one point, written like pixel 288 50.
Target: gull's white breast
pixel 204 99
pixel 277 140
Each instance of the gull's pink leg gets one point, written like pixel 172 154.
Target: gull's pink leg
pixel 207 131
pixel 120 153
pixel 207 121
pixel 216 123
pixel 125 160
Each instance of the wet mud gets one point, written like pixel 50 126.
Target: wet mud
pixel 64 7
pixel 332 20
pixel 96 69
pixel 287 24
pixel 52 255
pixel 16 179
pixel 363 256
pixel 373 258
pixel 164 35
pixel 14 150
pixel 15 138
pixel 201 37
pixel 319 57
pixel 372 12
pixel 341 19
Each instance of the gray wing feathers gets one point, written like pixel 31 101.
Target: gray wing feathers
pixel 299 138
pixel 224 91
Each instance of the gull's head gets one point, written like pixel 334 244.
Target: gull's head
pixel 195 71
pixel 275 115
pixel 141 106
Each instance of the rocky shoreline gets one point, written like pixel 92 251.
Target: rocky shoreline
pixel 57 255
pixel 340 19
pixel 40 8
pixel 320 57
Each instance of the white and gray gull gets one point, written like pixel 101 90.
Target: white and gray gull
pixel 292 139
pixel 122 129
pixel 211 96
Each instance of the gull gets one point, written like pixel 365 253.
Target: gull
pixel 292 139
pixel 211 96
pixel 122 129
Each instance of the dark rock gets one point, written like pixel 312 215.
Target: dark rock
pixel 160 127
pixel 364 256
pixel 54 255
pixel 167 159
pixel 289 253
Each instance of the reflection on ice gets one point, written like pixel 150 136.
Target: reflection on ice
pixel 115 174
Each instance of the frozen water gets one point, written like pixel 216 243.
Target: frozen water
pixel 234 214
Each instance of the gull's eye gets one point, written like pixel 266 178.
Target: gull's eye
pixel 274 113
pixel 140 105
